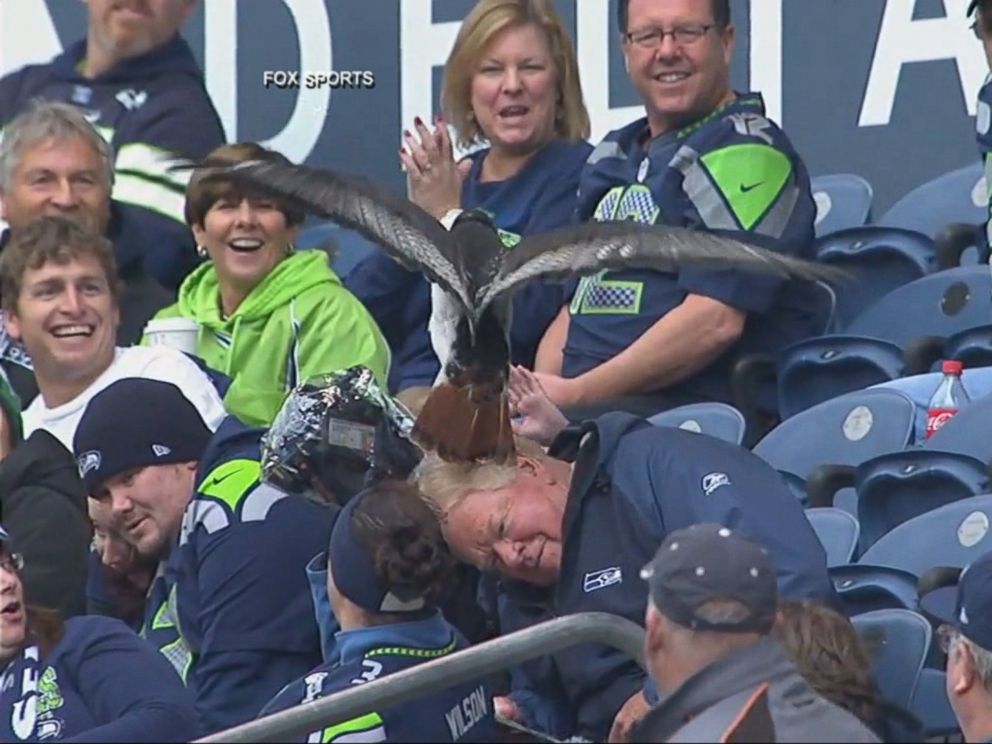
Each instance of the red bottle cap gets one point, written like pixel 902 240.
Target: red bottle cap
pixel 952 367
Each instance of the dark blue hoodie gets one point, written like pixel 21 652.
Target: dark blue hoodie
pixel 632 484
pixel 152 109
pixel 232 610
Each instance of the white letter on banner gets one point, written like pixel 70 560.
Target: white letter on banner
pixel 902 40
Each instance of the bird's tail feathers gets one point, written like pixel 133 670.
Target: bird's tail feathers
pixel 466 424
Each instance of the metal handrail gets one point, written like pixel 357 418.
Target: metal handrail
pixel 471 663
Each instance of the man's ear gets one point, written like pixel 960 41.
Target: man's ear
pixel 533 467
pixel 962 672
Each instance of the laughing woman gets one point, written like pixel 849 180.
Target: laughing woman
pixel 89 679
pixel 268 317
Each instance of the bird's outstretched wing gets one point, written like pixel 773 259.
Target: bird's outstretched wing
pixel 585 249
pixel 404 231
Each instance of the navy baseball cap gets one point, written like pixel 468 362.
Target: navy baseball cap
pixel 707 562
pixel 972 613
pixel 4 535
pixel 354 572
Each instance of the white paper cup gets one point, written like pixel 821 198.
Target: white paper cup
pixel 179 333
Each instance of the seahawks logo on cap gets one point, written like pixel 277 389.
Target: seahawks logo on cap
pixel 89 461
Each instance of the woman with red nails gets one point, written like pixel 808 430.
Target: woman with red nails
pixel 511 89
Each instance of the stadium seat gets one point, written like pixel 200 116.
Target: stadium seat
pixel 865 588
pixel 842 431
pixel 837 531
pixel 718 420
pixel 879 260
pixel 931 706
pixel 940 304
pixel 818 369
pixel 951 535
pixel 345 247
pixel 898 486
pixel 842 200
pixel 958 196
pixel 898 641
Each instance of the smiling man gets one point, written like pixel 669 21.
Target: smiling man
pixel 135 79
pixel 230 607
pixel 583 519
pixel 60 300
pixel 703 157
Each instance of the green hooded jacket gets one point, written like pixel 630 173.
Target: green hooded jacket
pixel 298 322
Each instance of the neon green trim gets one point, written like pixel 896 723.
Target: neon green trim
pixel 750 177
pixel 356 725
pixel 231 481
pixel 588 285
pixel 162 621
pixel 419 653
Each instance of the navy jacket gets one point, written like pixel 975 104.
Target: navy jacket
pixel 153 110
pixel 232 608
pixel 100 683
pixel 460 713
pixel 632 484
pixel 539 198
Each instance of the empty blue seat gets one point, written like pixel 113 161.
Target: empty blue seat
pixel 931 706
pixel 345 247
pixel 818 369
pixel 837 531
pixel 940 304
pixel 898 641
pixel 879 259
pixel 958 196
pixel 865 588
pixel 842 200
pixel 842 431
pixel 951 535
pixel 896 487
pixel 718 420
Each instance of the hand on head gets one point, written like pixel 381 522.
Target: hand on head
pixel 434 179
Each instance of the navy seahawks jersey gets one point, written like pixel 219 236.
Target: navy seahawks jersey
pixel 983 127
pixel 231 608
pixel 460 713
pixel 100 682
pixel 154 111
pixel 733 172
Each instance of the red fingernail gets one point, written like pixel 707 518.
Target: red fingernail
pixel 417 121
pixel 406 133
pixel 440 119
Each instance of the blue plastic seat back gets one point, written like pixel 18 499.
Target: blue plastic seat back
pixel 865 588
pixel 898 641
pixel 345 247
pixel 837 531
pixel 940 304
pixel 972 347
pixel 879 259
pixel 842 431
pixel 818 369
pixel 958 196
pixel 931 706
pixel 969 432
pixel 718 420
pixel 842 200
pixel 951 535
pixel 898 486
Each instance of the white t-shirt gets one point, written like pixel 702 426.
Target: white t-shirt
pixel 151 362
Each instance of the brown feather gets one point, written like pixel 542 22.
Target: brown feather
pixel 466 423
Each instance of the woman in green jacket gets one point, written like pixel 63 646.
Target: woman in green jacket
pixel 268 317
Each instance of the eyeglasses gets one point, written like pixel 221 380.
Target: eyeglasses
pixel 12 562
pixel 651 38
pixel 946 635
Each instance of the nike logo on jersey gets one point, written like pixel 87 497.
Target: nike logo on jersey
pixel 752 187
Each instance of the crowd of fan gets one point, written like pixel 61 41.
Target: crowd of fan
pixel 194 539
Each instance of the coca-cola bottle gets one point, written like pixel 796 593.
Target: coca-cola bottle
pixel 948 398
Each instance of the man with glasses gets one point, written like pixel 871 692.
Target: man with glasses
pixel 966 638
pixel 703 157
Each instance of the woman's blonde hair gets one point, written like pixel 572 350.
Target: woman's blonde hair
pixel 488 19
pixel 444 484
